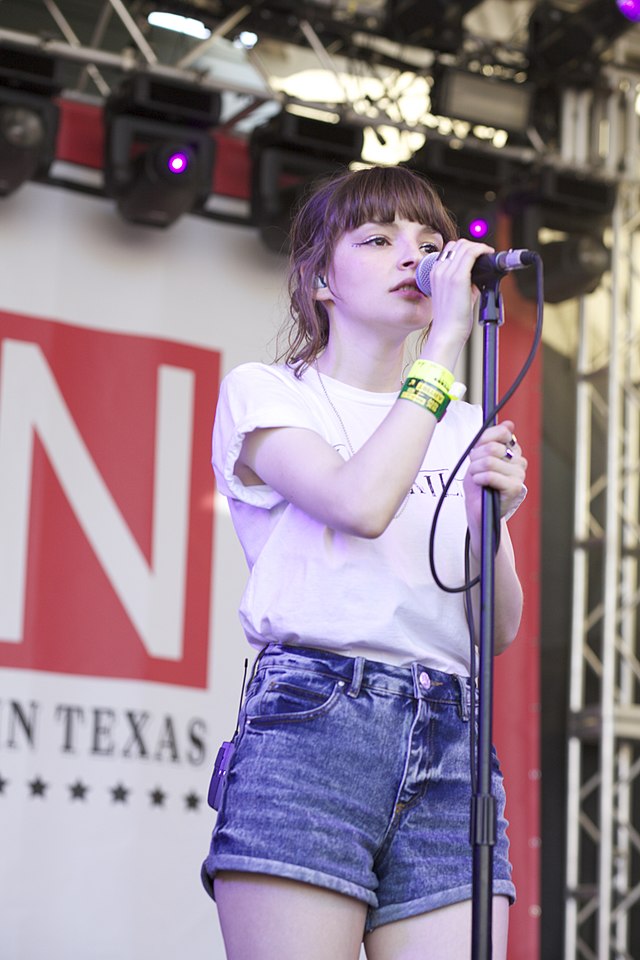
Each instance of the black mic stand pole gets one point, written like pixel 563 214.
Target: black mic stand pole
pixel 483 803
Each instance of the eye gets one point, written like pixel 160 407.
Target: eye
pixel 376 241
pixel 429 247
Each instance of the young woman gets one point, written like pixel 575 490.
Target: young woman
pixel 345 814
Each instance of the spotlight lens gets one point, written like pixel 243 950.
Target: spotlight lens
pixel 21 127
pixel 629 9
pixel 478 228
pixel 178 162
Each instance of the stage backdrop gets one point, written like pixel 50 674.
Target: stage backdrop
pixel 120 649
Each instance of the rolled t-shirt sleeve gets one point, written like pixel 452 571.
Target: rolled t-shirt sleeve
pixel 253 396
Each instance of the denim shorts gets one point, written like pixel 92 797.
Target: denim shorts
pixel 354 775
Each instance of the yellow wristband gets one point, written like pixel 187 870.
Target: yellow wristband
pixel 432 372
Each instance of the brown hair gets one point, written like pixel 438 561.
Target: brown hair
pixel 336 206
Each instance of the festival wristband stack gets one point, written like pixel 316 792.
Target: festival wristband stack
pixel 431 386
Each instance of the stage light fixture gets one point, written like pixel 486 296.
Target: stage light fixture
pixel 467 95
pixel 287 154
pixel 475 211
pixel 471 182
pixel 436 25
pixel 630 9
pixel 28 115
pixel 159 149
pixel 478 228
pixel 567 44
pixel 576 210
pixel 573 266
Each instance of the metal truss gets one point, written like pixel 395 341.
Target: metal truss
pixel 119 44
pixel 602 916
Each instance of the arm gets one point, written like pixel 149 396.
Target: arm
pixel 359 496
pixel 362 495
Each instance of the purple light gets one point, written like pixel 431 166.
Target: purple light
pixel 478 228
pixel 178 162
pixel 629 9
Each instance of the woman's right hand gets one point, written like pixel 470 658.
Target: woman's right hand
pixel 453 296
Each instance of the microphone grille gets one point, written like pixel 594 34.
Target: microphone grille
pixel 423 273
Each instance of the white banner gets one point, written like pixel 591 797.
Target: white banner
pixel 121 655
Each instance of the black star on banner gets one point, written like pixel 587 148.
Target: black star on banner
pixel 78 790
pixel 38 787
pixel 119 793
pixel 158 797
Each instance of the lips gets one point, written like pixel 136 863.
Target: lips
pixel 409 286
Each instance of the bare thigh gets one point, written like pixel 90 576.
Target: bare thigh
pixel 272 918
pixel 443 934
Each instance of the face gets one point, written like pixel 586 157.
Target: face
pixel 371 279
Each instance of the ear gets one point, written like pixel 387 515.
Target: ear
pixel 321 288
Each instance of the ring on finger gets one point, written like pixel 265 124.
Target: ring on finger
pixel 513 441
pixel 508 453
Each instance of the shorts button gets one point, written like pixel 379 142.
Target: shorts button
pixel 424 681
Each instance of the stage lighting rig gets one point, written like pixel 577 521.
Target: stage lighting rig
pixel 29 80
pixel 472 182
pixel 436 25
pixel 569 45
pixel 287 154
pixel 472 96
pixel 344 26
pixel 159 149
pixel 575 210
pixel 334 21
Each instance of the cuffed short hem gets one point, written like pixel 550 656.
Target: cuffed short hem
pixel 289 871
pixel 413 908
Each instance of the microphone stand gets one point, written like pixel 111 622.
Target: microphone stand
pixel 483 803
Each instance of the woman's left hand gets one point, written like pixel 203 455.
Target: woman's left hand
pixel 496 461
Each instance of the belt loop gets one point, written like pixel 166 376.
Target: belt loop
pixel 465 692
pixel 415 667
pixel 356 679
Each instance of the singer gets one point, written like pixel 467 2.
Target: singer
pixel 345 812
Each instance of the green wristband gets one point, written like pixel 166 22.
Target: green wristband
pixel 430 396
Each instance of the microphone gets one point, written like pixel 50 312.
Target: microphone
pixel 487 268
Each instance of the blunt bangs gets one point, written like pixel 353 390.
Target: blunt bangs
pixel 379 195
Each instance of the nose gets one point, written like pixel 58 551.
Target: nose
pixel 410 257
pixel 410 253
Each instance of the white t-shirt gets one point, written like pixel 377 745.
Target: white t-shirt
pixel 313 586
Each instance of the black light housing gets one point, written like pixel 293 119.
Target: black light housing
pixel 159 149
pixel 28 115
pixel 436 25
pixel 287 154
pixel 568 44
pixel 467 95
pixel 578 209
pixel 472 183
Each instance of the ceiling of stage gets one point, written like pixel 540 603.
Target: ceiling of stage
pixel 372 60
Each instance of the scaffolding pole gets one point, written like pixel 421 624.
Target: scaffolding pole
pixel 602 915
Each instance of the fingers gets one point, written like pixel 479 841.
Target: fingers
pixel 452 292
pixel 462 247
pixel 497 461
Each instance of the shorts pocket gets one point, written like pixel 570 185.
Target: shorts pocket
pixel 293 698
